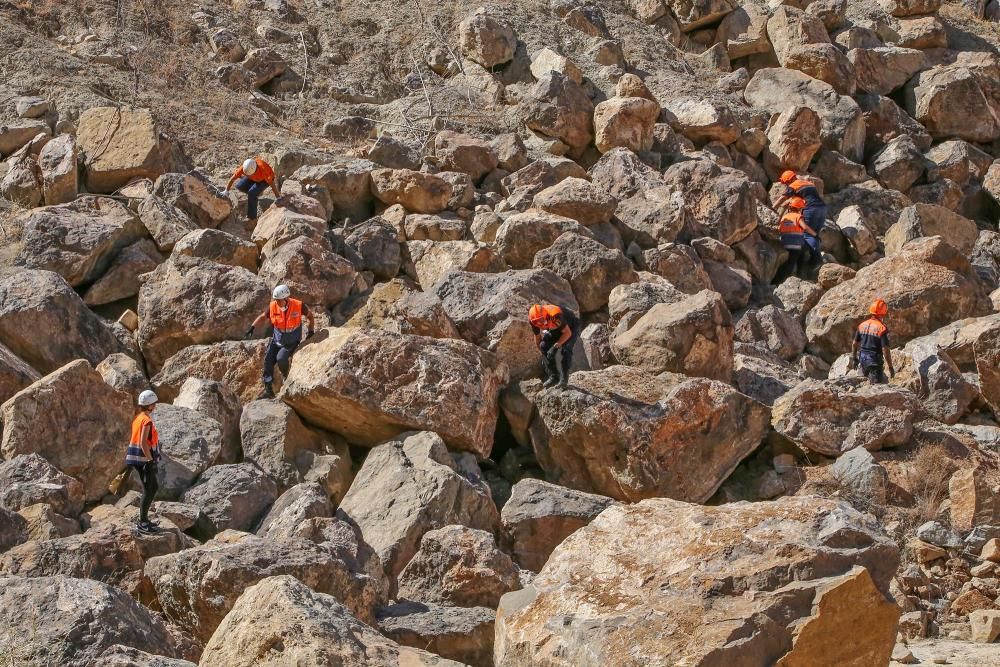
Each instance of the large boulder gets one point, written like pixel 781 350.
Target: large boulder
pixel 702 120
pixel 232 496
pixel 91 449
pixel 539 516
pixel 14 529
pixel 717 201
pixel 464 153
pixel 194 194
pixel 458 566
pixel 523 235
pixel 280 224
pixel 57 163
pixel 192 441
pixel 591 268
pixel 774 329
pixel 987 355
pixel 119 144
pixel 76 240
pixel 219 246
pixel 898 165
pixel 625 122
pixel 885 120
pixel 122 279
pixel 882 70
pixel 761 374
pixel 410 486
pixel 560 108
pixel 630 302
pixel 15 374
pixel 926 285
pixel 309 624
pixel 238 365
pixel 843 127
pixel 693 336
pixel 315 275
pixel 952 102
pixel 348 183
pixel 214 399
pixel 197 587
pixel 165 223
pixel 190 301
pixel 464 634
pixel 789 29
pixel 416 191
pixel 431 259
pixel 831 417
pixel 370 386
pixel 787 579
pixel 793 140
pixel 491 311
pixel 921 220
pixel 66 621
pixel 927 371
pixel 28 479
pixel 604 434
pixel 374 246
pixel 293 508
pixel 578 199
pixel 485 40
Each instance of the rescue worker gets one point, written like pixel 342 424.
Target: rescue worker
pixel 285 315
pixel 792 228
pixel 814 212
pixel 556 331
pixel 872 340
pixel 142 456
pixel 253 177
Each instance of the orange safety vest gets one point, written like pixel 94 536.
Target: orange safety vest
pixel 798 184
pixel 135 453
pixel 872 327
pixel 791 223
pixel 286 320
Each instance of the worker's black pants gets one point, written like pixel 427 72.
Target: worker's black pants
pixel 796 264
pixel 557 366
pixel 147 475
pixel 873 368
pixel 254 189
pixel 280 354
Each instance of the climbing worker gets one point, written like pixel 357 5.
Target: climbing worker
pixel 142 456
pixel 814 212
pixel 253 177
pixel 285 315
pixel 556 330
pixel 792 228
pixel 872 340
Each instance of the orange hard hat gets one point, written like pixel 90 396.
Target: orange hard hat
pixel 544 317
pixel 797 202
pixel 787 176
pixel 879 308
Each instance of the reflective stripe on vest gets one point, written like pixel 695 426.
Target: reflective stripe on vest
pixel 872 327
pixel 791 223
pixel 289 319
pixel 134 454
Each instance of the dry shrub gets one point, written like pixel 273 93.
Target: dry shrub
pixel 927 479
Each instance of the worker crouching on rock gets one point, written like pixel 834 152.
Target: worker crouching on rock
pixel 253 177
pixel 285 315
pixel 142 456
pixel 556 331
pixel 872 340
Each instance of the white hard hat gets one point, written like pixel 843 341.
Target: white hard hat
pixel 281 292
pixel 147 397
pixel 249 166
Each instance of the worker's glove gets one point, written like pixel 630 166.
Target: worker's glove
pixel 551 353
pixel 852 364
pixel 249 333
pixel 308 335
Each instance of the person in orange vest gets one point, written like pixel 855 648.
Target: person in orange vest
pixel 556 331
pixel 285 315
pixel 814 211
pixel 872 342
pixel 792 229
pixel 253 177
pixel 142 456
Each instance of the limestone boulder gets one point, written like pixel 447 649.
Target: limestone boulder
pixel 166 223
pixel 793 140
pixel 194 194
pixel 744 30
pixel 192 441
pixel 94 615
pixel 238 365
pixel 602 434
pixel 789 29
pixel 733 283
pixel 653 216
pixel 851 223
pixel 987 353
pixel 673 548
pixel 192 301
pixel 577 199
pixel 926 285
pixel 416 191
pixel 217 401
pixel 958 161
pixel 882 70
pixel 464 634
pixel 362 385
pixel 432 260
pixel 28 479
pixel 294 507
pixel 625 122
pixel 346 181
pixel 693 336
pixel 546 60
pixel 310 624
pixel 924 220
pixel 776 330
pixel 92 449
pixel 458 566
pixel 719 202
pixel 316 275
pixel 539 516
pixel 15 374
pixel 232 496
pixel 445 227
pixel 464 153
pixel 59 167
pixel 559 108
pixel 120 144
pixel 797 297
pixel 15 134
pixel 280 224
pixel 831 417
pixel 485 40
pixel 374 246
pixel 934 377
pixel 121 280
pixel 953 102
pixel 410 486
pixel 78 240
pixel 879 206
pixel 702 120
pixel 628 303
pixel 680 265
pixel 127 656
pixel 490 311
pixel 523 235
pixel 824 62
pixel 122 373
pixel 885 120
pixel 761 374
pixel 591 269
pixel 899 165
pixel 218 246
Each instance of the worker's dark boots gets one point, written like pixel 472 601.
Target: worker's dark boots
pixel 563 376
pixel 551 372
pixel 267 393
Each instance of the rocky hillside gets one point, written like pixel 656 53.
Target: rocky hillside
pixel 716 486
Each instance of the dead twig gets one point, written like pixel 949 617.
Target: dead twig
pixel 305 66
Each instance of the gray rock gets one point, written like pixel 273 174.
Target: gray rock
pixel 935 533
pixel 233 496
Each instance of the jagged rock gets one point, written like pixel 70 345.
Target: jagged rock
pixel 884 69
pixel 528 181
pixel 719 201
pixel 276 440
pixel 316 275
pixel 235 364
pixel 825 416
pixel 432 260
pixel 625 122
pixel 375 245
pixel 416 191
pixel 849 561
pixel 628 303
pixel 885 120
pixel 931 374
pixel 348 183
pixel 680 265
pixel 523 235
pixel 924 272
pixel 899 165
pixel 913 7
pixel 924 32
pixel 778 89
pixel 43 523
pixel 778 331
pixel 434 228
pixel 464 634
pixel 195 443
pixel 703 121
pixel 89 449
pixel 280 224
pixel 21 184
pixel 232 496
pixel 218 246
pixel 789 29
pixel 958 161
pixel 744 31
pixel 73 621
pixel 166 223
pixel 793 140
pixel 546 60
pixel 734 284
pixel 939 535
pixel 858 470
pixel 17 133
pixel 851 223
pixel 923 220
pixel 123 374
pixel 973 502
pixel 196 196
pixel 588 437
pixel 559 108
pixel 987 355
pixel 485 40
pixel 121 280
pixel 460 567
pixel 879 206
pixel 951 103
pixel 292 508
pixel 797 296
pixel 652 216
pixel 762 375
pixel 464 153
pixel 77 240
pixel 189 301
pixel 539 516
pixel 29 479
pixel 310 625
pixel 359 384
pixel 13 531
pixel 837 172
pixel 15 374
pixel 577 199
pixel 120 144
pixel 591 269
pixel 410 486
pixel 490 310
pixel 824 62
pixel 59 169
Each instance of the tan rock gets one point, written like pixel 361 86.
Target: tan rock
pixel 925 553
pixel 416 191
pixel 991 551
pixel 559 108
pixel 973 502
pixel 464 634
pixel 591 268
pixel 59 169
pixel 577 199
pixel 970 601
pixel 884 69
pixel 793 140
pixel 546 60
pixel 236 364
pixel 703 121
pixel 432 260
pixel 625 122
pixel 523 235
pixel 464 153
pixel 933 96
pixel 120 144
pixel 485 40
pixel 921 220
pixel 28 480
pixel 744 31
pixel 824 62
pixel 985 625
